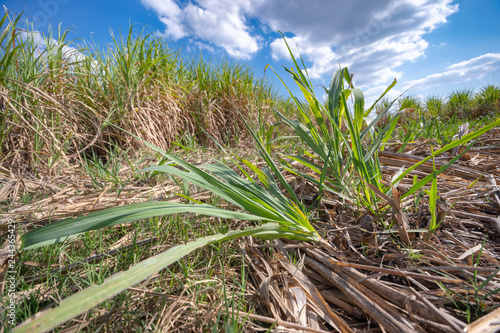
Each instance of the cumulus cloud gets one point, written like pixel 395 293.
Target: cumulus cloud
pixel 222 23
pixel 373 38
pixel 171 15
pixel 324 60
pixel 45 45
pixel 475 68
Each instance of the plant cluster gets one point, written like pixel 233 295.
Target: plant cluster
pixel 58 99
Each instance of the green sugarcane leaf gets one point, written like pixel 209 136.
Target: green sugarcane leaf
pixel 62 230
pixel 90 297
pixel 431 176
pixel 306 162
pixel 367 112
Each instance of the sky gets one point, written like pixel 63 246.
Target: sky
pixel 432 47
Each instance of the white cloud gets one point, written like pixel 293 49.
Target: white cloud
pixel 373 38
pixel 171 15
pixel 222 23
pixel 45 45
pixel 475 68
pixel 324 60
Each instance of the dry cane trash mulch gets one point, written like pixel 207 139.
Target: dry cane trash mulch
pixel 369 273
pixel 362 278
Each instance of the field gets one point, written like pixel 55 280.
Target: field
pixel 143 191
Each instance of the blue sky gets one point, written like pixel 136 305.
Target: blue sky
pixel 432 47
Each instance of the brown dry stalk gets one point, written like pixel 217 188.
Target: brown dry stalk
pixel 277 322
pixel 365 299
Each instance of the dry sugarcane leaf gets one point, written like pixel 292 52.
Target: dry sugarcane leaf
pixel 277 322
pixel 495 222
pixel 462 130
pixel 496 189
pixel 299 305
pixel 328 315
pixel 401 220
pixel 469 252
pixel 487 324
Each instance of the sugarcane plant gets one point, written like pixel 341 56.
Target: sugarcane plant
pixel 342 140
pixel 345 161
